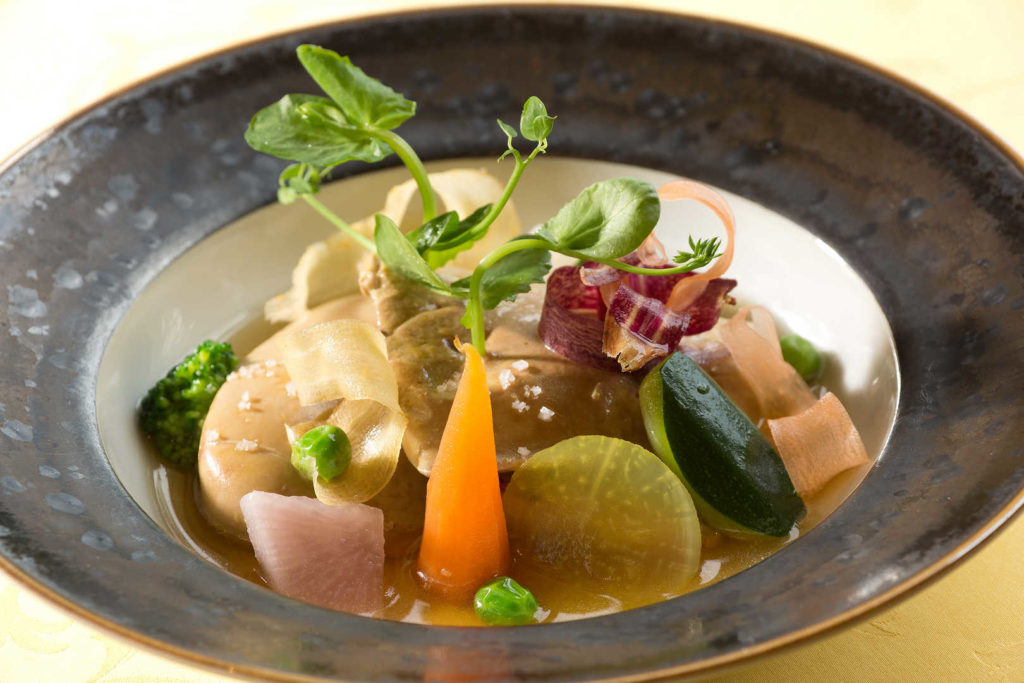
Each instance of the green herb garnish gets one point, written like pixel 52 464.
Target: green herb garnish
pixel 607 221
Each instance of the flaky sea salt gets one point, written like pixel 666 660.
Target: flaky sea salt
pixel 520 365
pixel 519 406
pixel 245 401
pixel 534 390
pixel 290 389
pixel 545 413
pixel 247 445
pixel 523 451
pixel 212 435
pixel 506 378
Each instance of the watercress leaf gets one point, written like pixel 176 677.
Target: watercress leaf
pixel 513 275
pixel 607 220
pixel 364 99
pixel 508 130
pixel 398 254
pixel 535 123
pixel 458 238
pixel 313 130
pixel 427 235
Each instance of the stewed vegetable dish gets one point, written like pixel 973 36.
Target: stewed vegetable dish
pixel 460 421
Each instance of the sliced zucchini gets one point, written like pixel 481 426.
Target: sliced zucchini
pixel 736 478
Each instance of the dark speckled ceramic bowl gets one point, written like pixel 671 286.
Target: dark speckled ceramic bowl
pixel 921 202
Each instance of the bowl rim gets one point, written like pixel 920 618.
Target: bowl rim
pixel 437 9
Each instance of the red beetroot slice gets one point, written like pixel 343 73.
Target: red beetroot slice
pixel 571 322
pixel 637 327
pixel 328 556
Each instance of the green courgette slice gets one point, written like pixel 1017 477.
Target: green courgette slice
pixel 736 478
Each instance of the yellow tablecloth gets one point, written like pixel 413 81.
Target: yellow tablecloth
pixel 56 57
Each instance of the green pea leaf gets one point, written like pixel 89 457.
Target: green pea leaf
pixel 428 234
pixel 510 276
pixel 365 100
pixel 397 253
pixel 458 238
pixel 607 220
pixel 535 123
pixel 508 130
pixel 313 130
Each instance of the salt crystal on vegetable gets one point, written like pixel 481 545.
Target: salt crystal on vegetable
pixel 506 378
pixel 523 451
pixel 290 389
pixel 212 435
pixel 519 406
pixel 247 445
pixel 520 365
pixel 545 413
pixel 534 390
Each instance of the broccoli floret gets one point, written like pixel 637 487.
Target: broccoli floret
pixel 173 411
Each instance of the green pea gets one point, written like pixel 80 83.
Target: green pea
pixel 503 602
pixel 323 451
pixel 802 355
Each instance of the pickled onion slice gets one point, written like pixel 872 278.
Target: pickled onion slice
pixel 817 444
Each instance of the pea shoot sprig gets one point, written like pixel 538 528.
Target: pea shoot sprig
pixel 357 121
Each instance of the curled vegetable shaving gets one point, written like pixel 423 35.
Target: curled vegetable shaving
pixel 765 386
pixel 347 360
pixel 686 291
pixel 817 444
pixel 325 271
pixel 328 269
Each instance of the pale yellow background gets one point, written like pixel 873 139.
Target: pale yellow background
pixel 56 57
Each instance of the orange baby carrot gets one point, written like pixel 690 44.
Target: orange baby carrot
pixel 465 541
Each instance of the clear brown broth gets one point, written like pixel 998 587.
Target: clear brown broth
pixel 407 600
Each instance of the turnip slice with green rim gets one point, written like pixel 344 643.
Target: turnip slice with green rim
pixel 606 512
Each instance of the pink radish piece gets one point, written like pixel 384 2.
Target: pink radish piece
pixel 325 555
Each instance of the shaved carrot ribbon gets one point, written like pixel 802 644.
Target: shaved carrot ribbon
pixel 688 289
pixel 765 386
pixel 465 540
pixel 817 444
pixel 814 437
